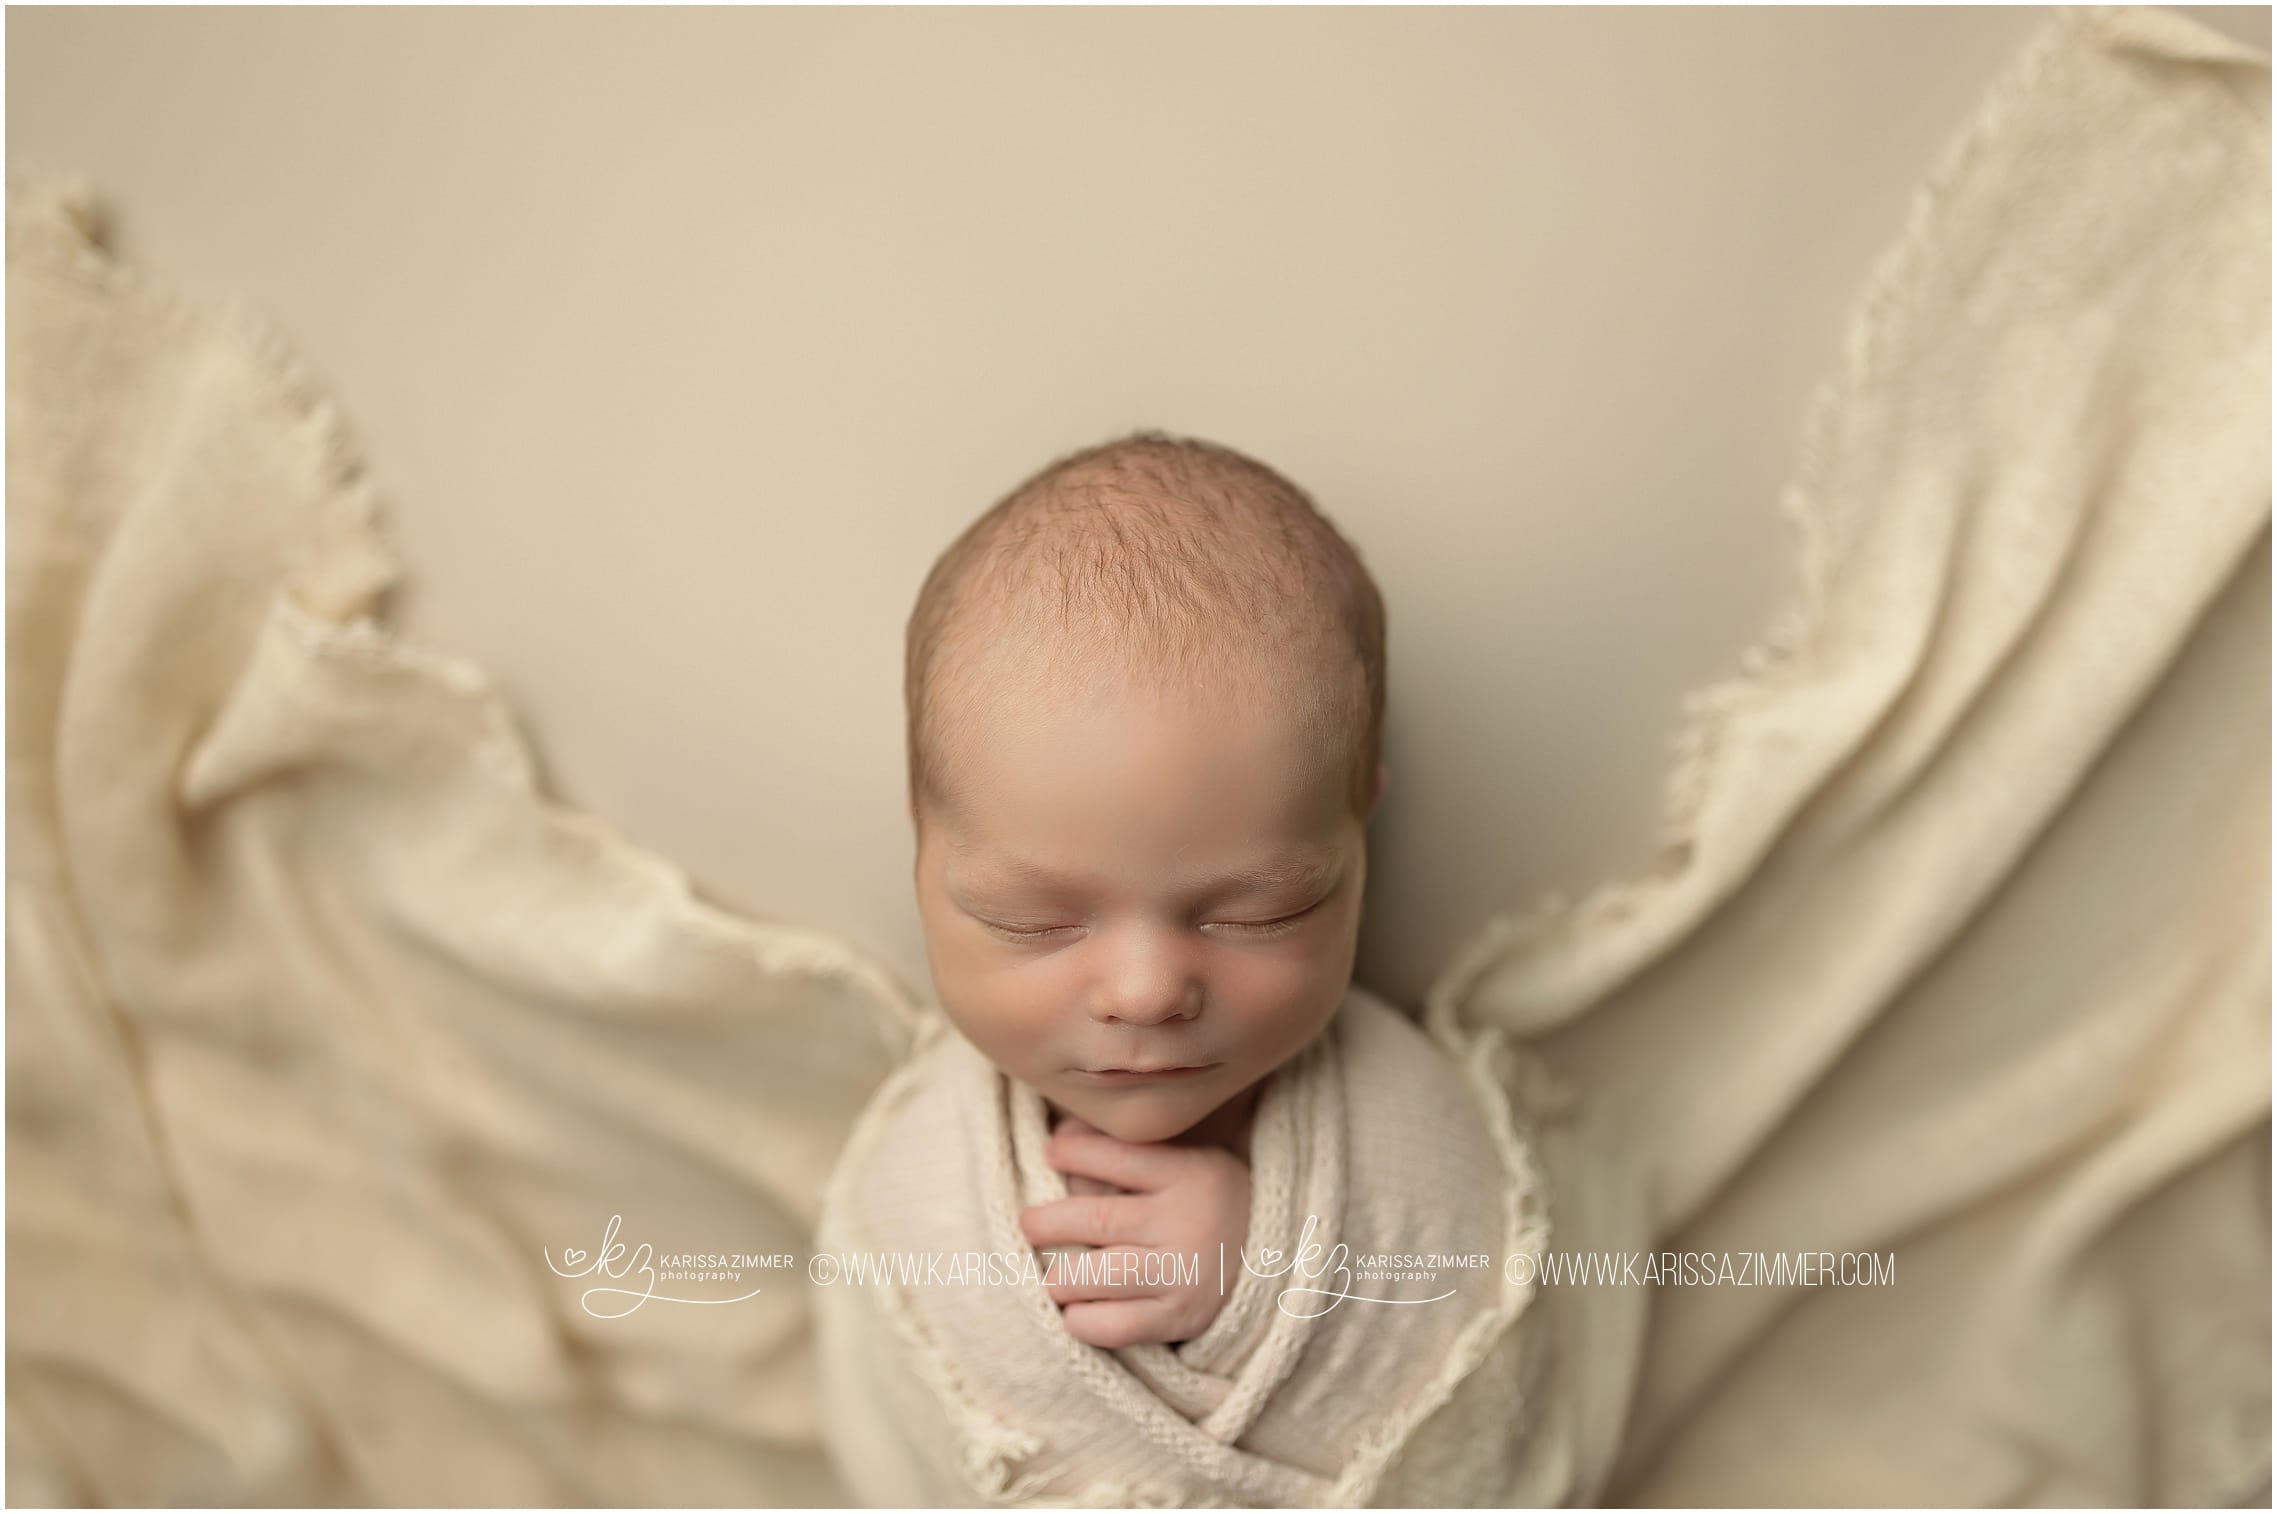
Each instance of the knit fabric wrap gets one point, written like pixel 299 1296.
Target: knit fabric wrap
pixel 952 1390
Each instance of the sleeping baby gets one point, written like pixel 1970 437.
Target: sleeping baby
pixel 1145 698
pixel 1146 702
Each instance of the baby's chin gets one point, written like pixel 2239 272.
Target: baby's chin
pixel 1139 1115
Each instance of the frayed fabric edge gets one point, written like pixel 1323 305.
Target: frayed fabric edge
pixel 1817 524
pixel 328 600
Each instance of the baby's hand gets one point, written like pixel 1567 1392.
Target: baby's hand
pixel 1130 1199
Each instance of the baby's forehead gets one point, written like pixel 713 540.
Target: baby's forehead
pixel 1193 718
pixel 1222 792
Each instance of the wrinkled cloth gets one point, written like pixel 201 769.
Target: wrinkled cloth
pixel 334 1046
pixel 1956 951
pixel 1373 1146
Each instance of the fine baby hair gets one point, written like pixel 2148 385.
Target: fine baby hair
pixel 1154 561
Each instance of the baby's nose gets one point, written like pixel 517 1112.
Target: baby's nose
pixel 1167 1013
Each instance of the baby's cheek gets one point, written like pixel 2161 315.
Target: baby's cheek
pixel 1011 1025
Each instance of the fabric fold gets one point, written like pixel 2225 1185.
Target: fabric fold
pixel 1374 1152
pixel 330 1035
pixel 1956 947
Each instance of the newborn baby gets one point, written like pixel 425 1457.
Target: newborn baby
pixel 1146 700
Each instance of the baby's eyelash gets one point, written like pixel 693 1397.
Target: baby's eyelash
pixel 1020 935
pixel 1261 929
pixel 1268 927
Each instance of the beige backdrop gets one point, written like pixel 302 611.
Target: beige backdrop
pixel 763 305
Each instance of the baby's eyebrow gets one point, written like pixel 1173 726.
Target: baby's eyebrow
pixel 1301 871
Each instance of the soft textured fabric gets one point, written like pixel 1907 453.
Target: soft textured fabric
pixel 945 1389
pixel 327 1032
pixel 1958 944
pixel 325 1029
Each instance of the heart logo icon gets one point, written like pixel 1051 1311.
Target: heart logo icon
pixel 1269 1259
pixel 573 1256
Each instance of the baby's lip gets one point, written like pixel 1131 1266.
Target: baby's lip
pixel 1151 1070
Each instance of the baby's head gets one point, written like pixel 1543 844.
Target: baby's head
pixel 1145 700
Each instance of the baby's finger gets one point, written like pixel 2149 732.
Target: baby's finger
pixel 1088 1219
pixel 1095 1154
pixel 1114 1272
pixel 1112 1324
pixel 1078 1183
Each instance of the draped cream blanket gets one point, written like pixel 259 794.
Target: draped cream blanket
pixel 328 1033
pixel 333 1046
pixel 1315 1386
pixel 1958 942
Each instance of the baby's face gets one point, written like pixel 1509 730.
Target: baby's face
pixel 1085 910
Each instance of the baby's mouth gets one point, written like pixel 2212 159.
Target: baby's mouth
pixel 1113 1075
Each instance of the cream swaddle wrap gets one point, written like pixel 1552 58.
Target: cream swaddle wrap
pixel 1375 1138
